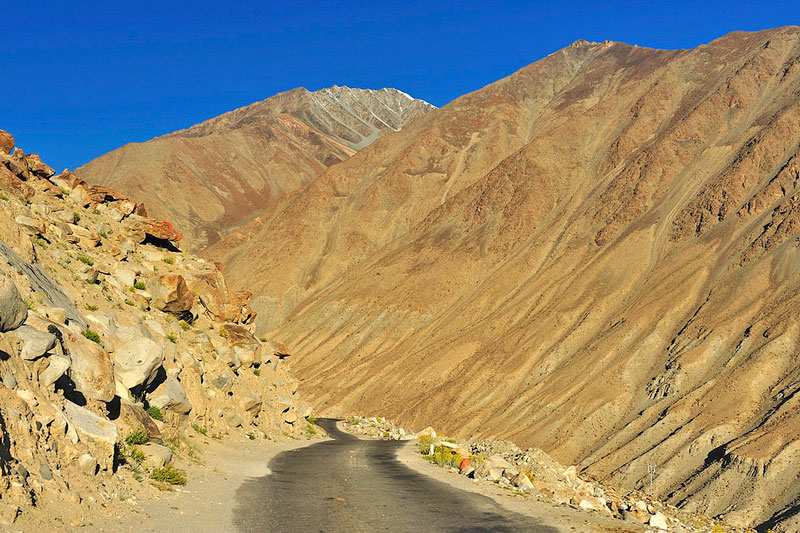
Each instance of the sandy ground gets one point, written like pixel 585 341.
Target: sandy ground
pixel 205 504
pixel 564 518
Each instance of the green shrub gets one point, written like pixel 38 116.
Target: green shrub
pixel 155 412
pixel 140 436
pixel 91 335
pixel 184 325
pixel 90 307
pixel 169 474
pixel 169 260
pixel 263 339
pixel 139 285
pixel 128 302
pixel 311 419
pixel 200 429
pixel 171 338
pixel 85 259
pixel 256 372
pixel 103 234
pixel 76 216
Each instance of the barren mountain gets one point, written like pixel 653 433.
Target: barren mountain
pixel 225 170
pixel 598 256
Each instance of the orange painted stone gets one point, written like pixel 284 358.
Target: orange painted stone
pixel 464 464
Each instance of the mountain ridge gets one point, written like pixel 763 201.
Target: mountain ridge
pixel 225 170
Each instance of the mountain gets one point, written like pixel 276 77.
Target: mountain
pixel 597 256
pixel 226 170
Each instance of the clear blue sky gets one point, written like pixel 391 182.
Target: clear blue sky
pixel 80 78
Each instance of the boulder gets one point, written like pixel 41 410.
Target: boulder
pixel 67 180
pixel 35 343
pixel 156 455
pixel 58 367
pixel 91 369
pixel 6 141
pixel 15 186
pixel 137 361
pixel 157 229
pixel 658 521
pixel 90 425
pixel 36 166
pixel 290 417
pixel 87 464
pixel 171 396
pixel 135 416
pixel 170 294
pixel 13 310
pixel 125 276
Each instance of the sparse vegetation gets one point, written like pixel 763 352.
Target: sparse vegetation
pixel 184 325
pixel 128 302
pixel 223 332
pixel 256 372
pixel 443 456
pixel 103 234
pixel 169 260
pixel 311 419
pixel 76 217
pixel 139 285
pixel 263 339
pixel 169 474
pixel 171 338
pixel 3 197
pixel 200 429
pixel 155 412
pixel 86 260
pixel 90 307
pixel 140 436
pixel 30 305
pixel 91 335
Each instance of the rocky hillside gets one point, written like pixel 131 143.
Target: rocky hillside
pixel 226 170
pixel 596 256
pixel 110 336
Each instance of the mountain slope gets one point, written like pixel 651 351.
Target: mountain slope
pixel 596 255
pixel 225 170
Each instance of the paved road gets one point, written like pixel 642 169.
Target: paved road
pixel 349 484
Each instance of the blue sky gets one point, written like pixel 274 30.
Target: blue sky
pixel 81 78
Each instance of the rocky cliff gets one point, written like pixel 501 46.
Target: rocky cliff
pixel 597 256
pixel 226 170
pixel 111 338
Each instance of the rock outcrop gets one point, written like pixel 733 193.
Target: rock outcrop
pixel 104 325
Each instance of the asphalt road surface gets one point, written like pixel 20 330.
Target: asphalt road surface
pixel 349 484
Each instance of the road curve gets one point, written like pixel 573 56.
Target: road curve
pixel 350 484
